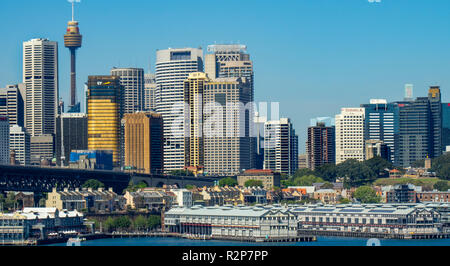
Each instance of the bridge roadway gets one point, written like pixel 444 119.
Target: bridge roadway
pixel 34 179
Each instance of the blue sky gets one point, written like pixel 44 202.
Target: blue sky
pixel 312 56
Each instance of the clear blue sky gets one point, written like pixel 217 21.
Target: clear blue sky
pixel 312 56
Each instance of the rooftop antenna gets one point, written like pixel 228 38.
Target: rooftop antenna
pixel 73 7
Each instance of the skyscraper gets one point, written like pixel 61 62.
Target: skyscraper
pixel 144 142
pixel 229 60
pixel 19 142
pixel 382 123
pixel 320 146
pixel 229 145
pixel 281 147
pixel 446 126
pixel 149 92
pixel 193 96
pixel 409 92
pixel 104 114
pixel 420 130
pixel 12 104
pixel 73 41
pixel 173 67
pixel 70 135
pixel 350 139
pixel 259 122
pixel 132 81
pixel 4 143
pixel 40 75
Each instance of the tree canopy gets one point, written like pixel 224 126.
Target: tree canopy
pixel 441 186
pixel 229 181
pixel 254 183
pixel 441 166
pixel 366 194
pixel 94 184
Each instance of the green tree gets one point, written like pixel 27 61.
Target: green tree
pixel 379 166
pixel 441 166
pixel 307 180
pixel 327 172
pixel 94 184
pixel 344 201
pixel 356 173
pixel 254 183
pixel 327 185
pixel 122 223
pixel 441 185
pixel 153 221
pixel 140 222
pixel 303 172
pixel 229 181
pixel 109 225
pixel 366 194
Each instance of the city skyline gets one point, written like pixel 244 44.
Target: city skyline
pixel 351 52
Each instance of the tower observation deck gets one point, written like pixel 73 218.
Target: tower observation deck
pixel 73 41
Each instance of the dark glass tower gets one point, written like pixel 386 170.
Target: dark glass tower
pixel 445 125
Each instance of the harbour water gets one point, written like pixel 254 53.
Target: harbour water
pixel 321 241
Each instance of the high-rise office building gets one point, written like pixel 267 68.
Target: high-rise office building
pixel 382 123
pixel 4 143
pixel 326 121
pixel 193 96
pixel 377 148
pixel 446 126
pixel 149 92
pixel 320 146
pixel 104 114
pixel 73 41
pixel 350 138
pixel 226 61
pixel 132 81
pixel 229 144
pixel 144 142
pixel 173 67
pixel 434 97
pixel 12 104
pixel 420 128
pixel 281 147
pixel 259 123
pixel 409 92
pixel 40 76
pixel 42 149
pixel 19 143
pixel 70 135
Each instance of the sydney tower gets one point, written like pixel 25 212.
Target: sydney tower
pixel 72 40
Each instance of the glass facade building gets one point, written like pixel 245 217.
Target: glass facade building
pixel 104 114
pixel 446 126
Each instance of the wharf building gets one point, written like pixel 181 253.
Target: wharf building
pixel 350 134
pixel 173 67
pixel 256 223
pixel 280 147
pixel 144 142
pixel 320 146
pixel 105 107
pixel 382 124
pixel 38 224
pixel 400 221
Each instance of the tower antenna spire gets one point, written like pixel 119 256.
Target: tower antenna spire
pixel 73 7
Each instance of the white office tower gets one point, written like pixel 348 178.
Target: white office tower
pixel 350 134
pixel 259 122
pixel 132 82
pixel 409 92
pixel 280 147
pixel 40 75
pixel 173 67
pixel 149 91
pixel 19 142
pixel 4 143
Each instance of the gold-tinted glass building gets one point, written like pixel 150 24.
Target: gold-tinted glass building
pixel 193 97
pixel 104 104
pixel 144 142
